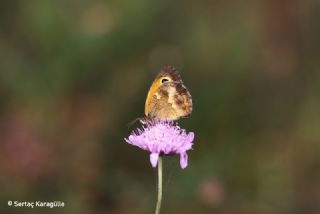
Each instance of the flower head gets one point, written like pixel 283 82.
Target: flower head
pixel 162 137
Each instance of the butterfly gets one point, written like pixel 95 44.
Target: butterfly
pixel 168 98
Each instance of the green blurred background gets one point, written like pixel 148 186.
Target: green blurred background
pixel 74 74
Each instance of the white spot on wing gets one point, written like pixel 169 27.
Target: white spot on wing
pixel 171 93
pixel 157 95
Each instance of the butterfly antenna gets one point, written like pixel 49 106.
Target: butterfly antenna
pixel 141 119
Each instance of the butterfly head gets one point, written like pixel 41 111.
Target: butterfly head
pixel 167 74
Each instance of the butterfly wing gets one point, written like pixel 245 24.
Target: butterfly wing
pixel 170 101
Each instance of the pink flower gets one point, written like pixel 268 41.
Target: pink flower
pixel 162 138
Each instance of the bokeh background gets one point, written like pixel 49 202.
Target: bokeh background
pixel 74 74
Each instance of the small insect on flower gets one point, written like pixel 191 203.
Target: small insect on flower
pixel 162 138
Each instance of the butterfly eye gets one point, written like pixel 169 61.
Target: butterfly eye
pixel 164 80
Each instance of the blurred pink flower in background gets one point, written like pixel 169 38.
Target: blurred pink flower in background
pixel 22 152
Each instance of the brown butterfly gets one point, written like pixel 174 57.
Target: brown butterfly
pixel 168 98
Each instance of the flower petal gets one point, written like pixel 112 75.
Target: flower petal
pixel 183 160
pixel 190 137
pixel 154 159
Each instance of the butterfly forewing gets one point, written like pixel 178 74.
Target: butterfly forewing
pixel 170 101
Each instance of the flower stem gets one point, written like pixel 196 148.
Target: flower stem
pixel 159 186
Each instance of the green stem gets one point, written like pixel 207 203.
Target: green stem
pixel 159 186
